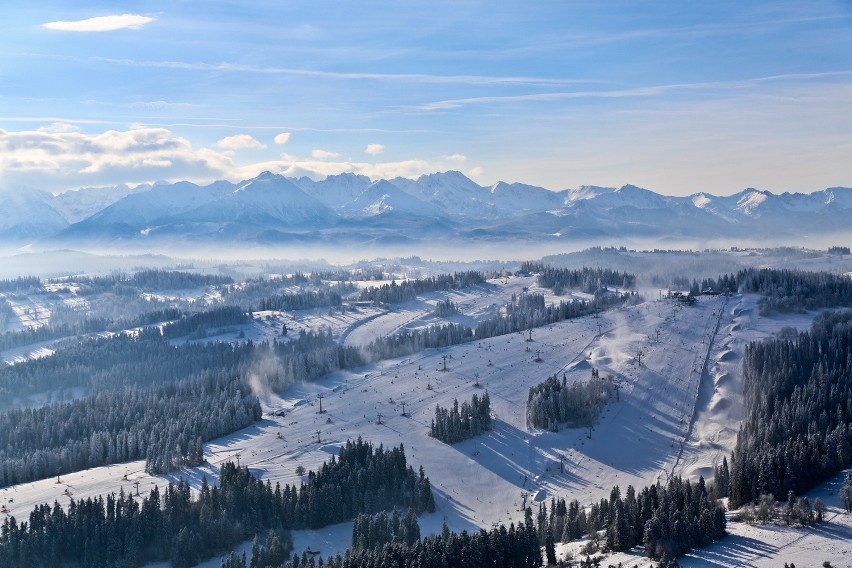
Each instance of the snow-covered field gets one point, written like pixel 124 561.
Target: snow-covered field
pixel 677 412
pixel 483 480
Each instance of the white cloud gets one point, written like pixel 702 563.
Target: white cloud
pixel 239 142
pixel 101 23
pixel 282 138
pixel 476 172
pixel 292 166
pixel 324 154
pixel 61 158
pixel 456 158
pixel 59 127
pixel 374 149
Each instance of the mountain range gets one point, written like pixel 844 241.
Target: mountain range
pixel 352 209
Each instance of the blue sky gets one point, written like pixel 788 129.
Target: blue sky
pixel 678 97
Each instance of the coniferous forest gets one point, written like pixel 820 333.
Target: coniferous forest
pixel 121 531
pixel 554 403
pixel 668 521
pixel 137 385
pixel 455 424
pixel 797 428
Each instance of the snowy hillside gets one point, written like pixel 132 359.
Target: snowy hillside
pixel 79 204
pixel 676 408
pixel 347 209
pixel 27 214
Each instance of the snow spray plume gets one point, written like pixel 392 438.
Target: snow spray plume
pixel 264 371
pixel 616 344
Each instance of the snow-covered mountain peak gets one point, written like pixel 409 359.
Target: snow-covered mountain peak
pixel 448 204
pixel 453 177
pixel 750 200
pixel 701 200
pixel 634 196
pixel 451 192
pixel 382 197
pixel 838 197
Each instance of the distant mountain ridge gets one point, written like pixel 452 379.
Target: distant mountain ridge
pixel 350 208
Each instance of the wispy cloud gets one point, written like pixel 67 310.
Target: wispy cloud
pixel 648 91
pixel 374 149
pixel 291 166
pixel 240 142
pixel 324 154
pixel 101 23
pixel 162 105
pixel 282 138
pixel 59 128
pixel 400 77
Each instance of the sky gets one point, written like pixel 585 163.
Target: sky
pixel 677 97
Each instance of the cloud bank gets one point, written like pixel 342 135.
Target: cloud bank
pixel 58 157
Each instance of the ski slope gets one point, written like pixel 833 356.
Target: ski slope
pixel 676 412
pixel 483 480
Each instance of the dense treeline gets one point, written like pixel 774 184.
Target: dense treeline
pixel 301 301
pixel 148 400
pixel 786 290
pixel 374 531
pixel 21 284
pixel 151 280
pixel 797 397
pixel 394 293
pixel 115 362
pixel 445 309
pixel 362 479
pixel 165 426
pixel 196 325
pixel 460 423
pixel 416 340
pixel 524 312
pixel 29 335
pixel 174 280
pixel 7 314
pixel 118 531
pixel 515 547
pixel 668 520
pixel 552 403
pixel 252 293
pixel 588 280
pixel 248 293
pixel 529 311
pixel 80 326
